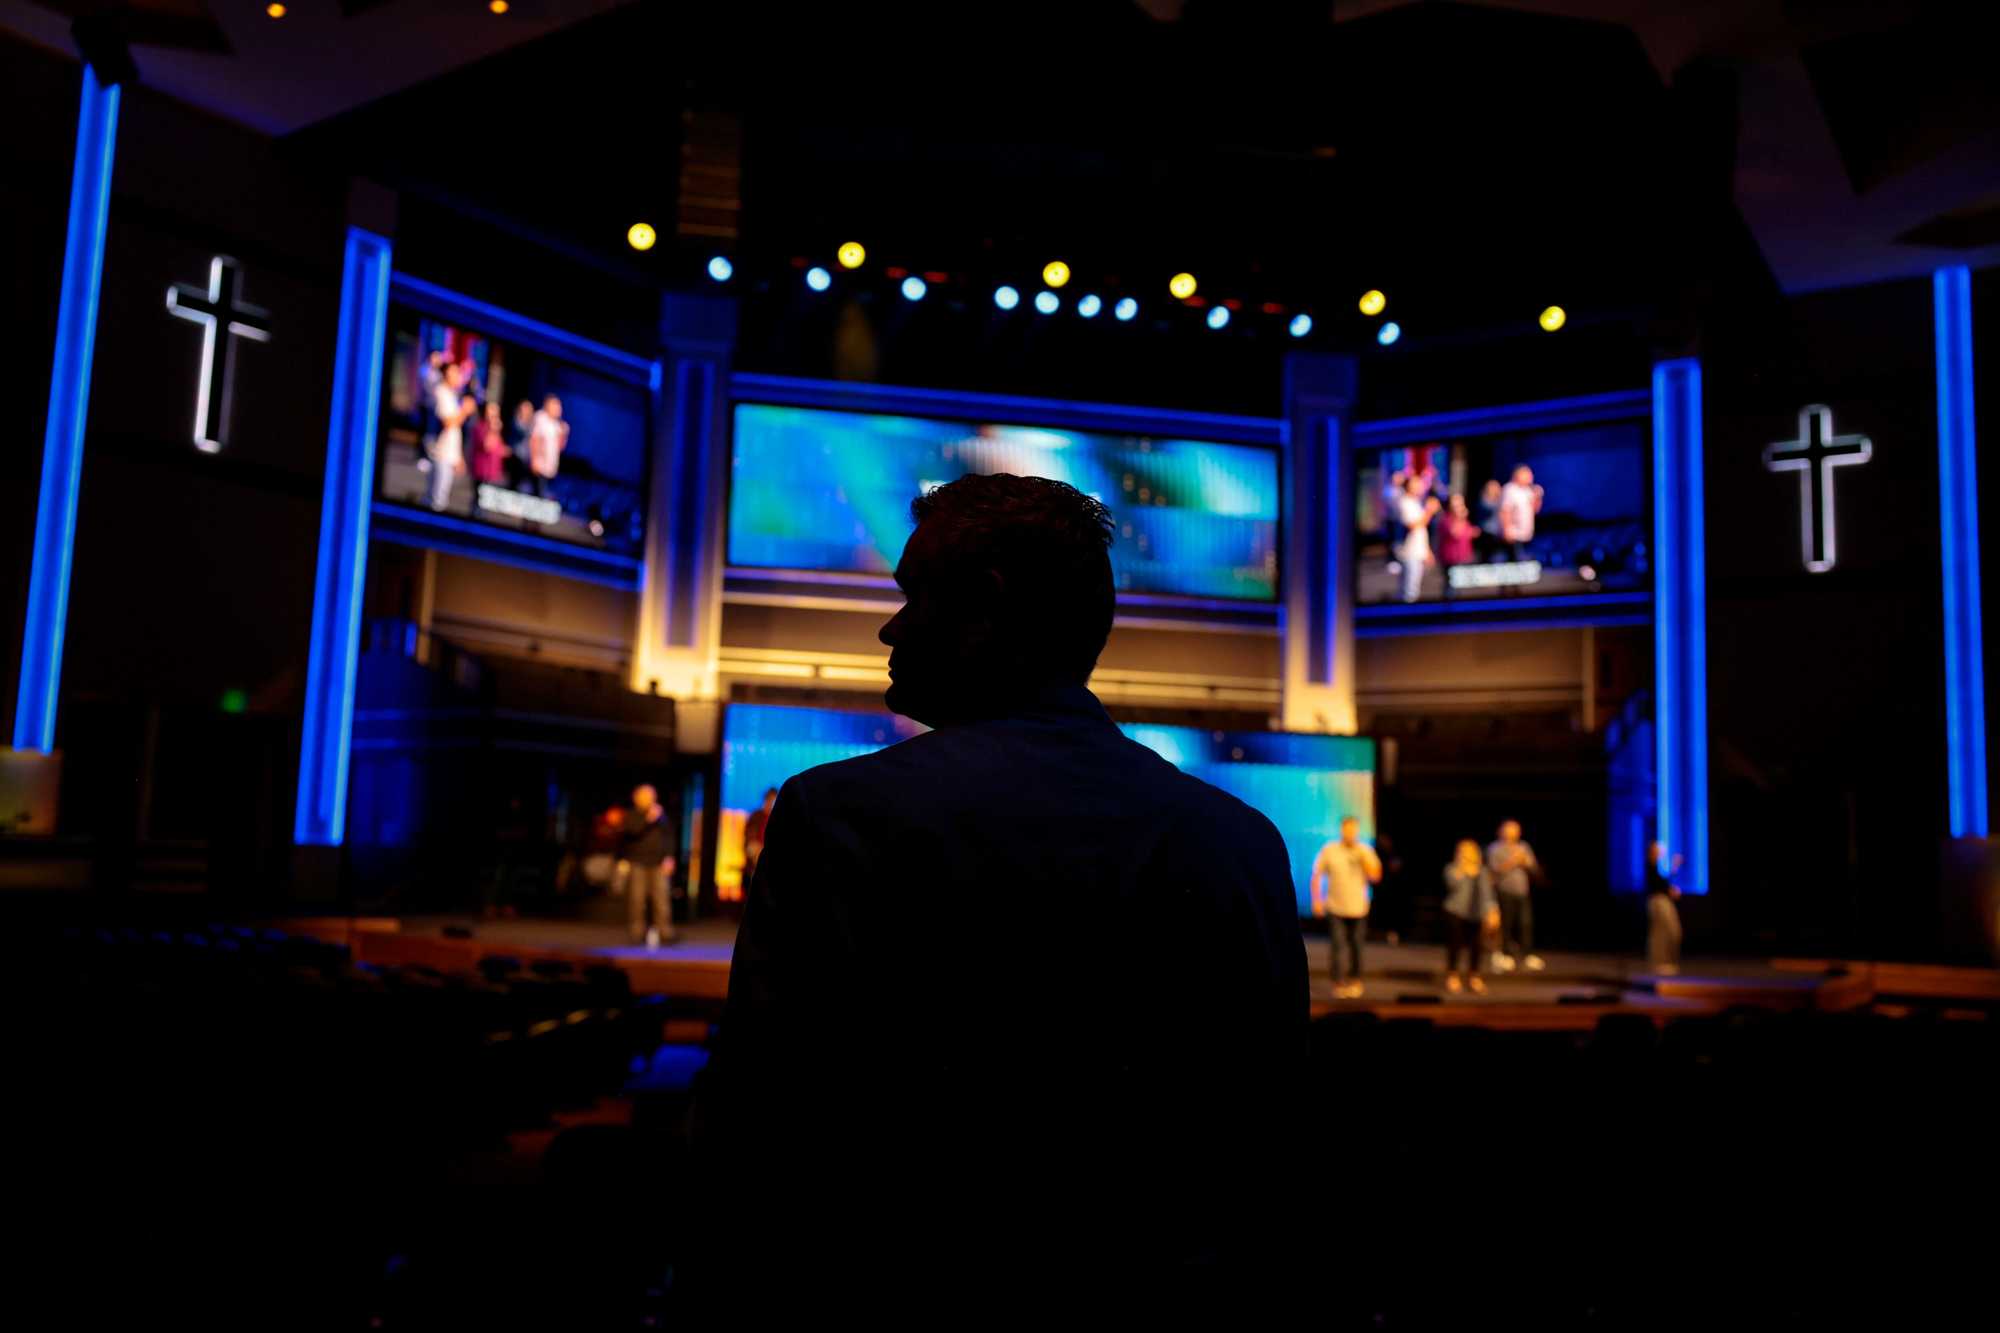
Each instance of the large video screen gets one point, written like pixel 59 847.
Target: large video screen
pixel 505 435
pixel 813 489
pixel 1304 784
pixel 1532 513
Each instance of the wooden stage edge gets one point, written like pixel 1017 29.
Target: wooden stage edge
pixel 697 967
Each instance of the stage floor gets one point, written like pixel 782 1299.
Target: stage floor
pixel 1402 980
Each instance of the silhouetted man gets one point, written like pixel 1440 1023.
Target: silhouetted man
pixel 1015 1003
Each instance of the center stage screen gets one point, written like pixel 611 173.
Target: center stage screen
pixel 1302 783
pixel 813 489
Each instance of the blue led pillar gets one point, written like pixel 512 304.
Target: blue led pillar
pixel 1680 620
pixel 1318 649
pixel 69 402
pixel 1958 531
pixel 343 542
pixel 679 637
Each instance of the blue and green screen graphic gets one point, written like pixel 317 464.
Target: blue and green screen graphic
pixel 1304 784
pixel 815 489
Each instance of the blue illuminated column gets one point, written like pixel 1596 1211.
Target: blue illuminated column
pixel 343 542
pixel 1958 529
pixel 1318 648
pixel 69 402
pixel 1680 619
pixel 680 591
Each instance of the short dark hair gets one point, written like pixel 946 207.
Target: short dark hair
pixel 1050 542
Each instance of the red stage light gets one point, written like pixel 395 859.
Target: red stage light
pixel 1273 308
pixel 896 272
pixel 935 278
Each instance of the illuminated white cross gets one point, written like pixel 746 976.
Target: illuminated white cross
pixel 1817 452
pixel 221 304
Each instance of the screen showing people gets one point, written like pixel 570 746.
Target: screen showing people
pixel 1535 513
pixel 505 435
pixel 1305 784
pixel 813 489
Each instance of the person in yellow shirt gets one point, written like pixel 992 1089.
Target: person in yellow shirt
pixel 1343 879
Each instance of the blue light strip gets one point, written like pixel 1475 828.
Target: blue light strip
pixel 1054 413
pixel 1958 530
pixel 1540 415
pixel 1680 621
pixel 409 526
pixel 343 541
pixel 444 303
pixel 69 403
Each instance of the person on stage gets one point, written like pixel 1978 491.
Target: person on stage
pixel 547 439
pixel 1344 877
pixel 453 408
pixel 978 966
pixel 489 446
pixel 1458 534
pixel 1469 907
pixel 1520 501
pixel 1663 913
pixel 1513 865
pixel 648 848
pixel 1415 512
pixel 753 836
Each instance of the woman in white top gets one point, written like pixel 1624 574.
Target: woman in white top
pixel 1415 511
pixel 453 407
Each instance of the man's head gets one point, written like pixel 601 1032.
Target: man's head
pixel 1414 484
pixel 456 373
pixel 553 406
pixel 1524 475
pixel 1510 830
pixel 1008 589
pixel 644 797
pixel 1350 830
pixel 525 412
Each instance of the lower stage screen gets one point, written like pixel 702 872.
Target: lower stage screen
pixel 1302 783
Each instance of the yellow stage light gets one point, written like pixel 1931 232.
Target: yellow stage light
pixel 1373 302
pixel 1553 318
pixel 275 10
pixel 1055 273
pixel 1182 285
pixel 641 236
pixel 852 255
pixel 497 6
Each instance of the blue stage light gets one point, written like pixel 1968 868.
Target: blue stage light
pixel 1125 309
pixel 334 647
pixel 1388 333
pixel 1680 620
pixel 1047 302
pixel 1964 665
pixel 914 288
pixel 1088 307
pixel 720 268
pixel 1006 297
pixel 1218 317
pixel 69 401
pixel 818 278
pixel 1301 325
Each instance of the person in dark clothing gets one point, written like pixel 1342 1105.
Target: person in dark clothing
pixel 753 836
pixel 1018 1114
pixel 1469 906
pixel 647 846
pixel 1663 913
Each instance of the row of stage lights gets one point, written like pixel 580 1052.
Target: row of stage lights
pixel 1056 275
